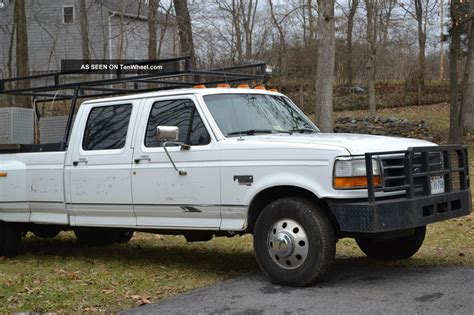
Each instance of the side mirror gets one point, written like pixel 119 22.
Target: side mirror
pixel 167 133
pixel 170 135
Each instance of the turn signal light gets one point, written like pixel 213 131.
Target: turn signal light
pixel 223 85
pixel 354 182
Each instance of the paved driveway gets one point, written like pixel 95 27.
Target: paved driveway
pixel 370 290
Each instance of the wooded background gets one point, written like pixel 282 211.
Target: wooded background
pixel 327 54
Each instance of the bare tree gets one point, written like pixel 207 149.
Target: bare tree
pixel 11 44
pixel 353 4
pixel 379 14
pixel 164 27
pixel 423 11
pixel 121 29
pixel 84 30
pixel 468 82
pixel 372 7
pixel 420 13
pixel 311 23
pixel 281 36
pixel 186 42
pixel 249 10
pixel 455 117
pixel 152 25
pixel 325 65
pixel 441 54
pixel 22 66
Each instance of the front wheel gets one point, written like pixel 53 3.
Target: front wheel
pixel 394 248
pixel 294 242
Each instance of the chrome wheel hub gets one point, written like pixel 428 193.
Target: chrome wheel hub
pixel 288 244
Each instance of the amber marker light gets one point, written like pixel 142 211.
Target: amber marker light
pixel 223 85
pixel 243 86
pixel 260 87
pixel 355 182
pixel 3 174
pixel 199 86
pixel 273 90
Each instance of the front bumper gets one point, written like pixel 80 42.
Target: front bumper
pixel 362 216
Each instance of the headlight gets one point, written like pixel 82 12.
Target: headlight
pixel 350 173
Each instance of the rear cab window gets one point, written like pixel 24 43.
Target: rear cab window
pixel 107 127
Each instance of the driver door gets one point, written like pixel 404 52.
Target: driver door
pixel 162 197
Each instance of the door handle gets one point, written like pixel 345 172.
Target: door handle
pixel 81 160
pixel 142 158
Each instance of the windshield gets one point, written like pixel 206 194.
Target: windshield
pixel 249 114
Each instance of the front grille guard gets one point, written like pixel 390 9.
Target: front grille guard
pixel 426 172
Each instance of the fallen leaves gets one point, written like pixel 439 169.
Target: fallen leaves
pixel 140 299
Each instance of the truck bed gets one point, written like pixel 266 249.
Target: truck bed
pixel 32 188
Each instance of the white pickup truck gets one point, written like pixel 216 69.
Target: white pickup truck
pixel 206 162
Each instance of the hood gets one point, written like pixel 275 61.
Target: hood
pixel 356 144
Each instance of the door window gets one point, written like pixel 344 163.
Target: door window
pixel 106 127
pixel 179 113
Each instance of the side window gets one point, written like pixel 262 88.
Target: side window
pixel 180 113
pixel 106 127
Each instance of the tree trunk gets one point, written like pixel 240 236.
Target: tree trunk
pixel 455 126
pixel 441 54
pixel 164 28
pixel 248 22
pixel 121 30
pixel 10 99
pixel 350 28
pixel 22 66
pixel 84 30
pixel 186 43
pixel 325 66
pixel 152 24
pixel 310 22
pixel 468 82
pixel 421 49
pixel 372 53
pixel 282 41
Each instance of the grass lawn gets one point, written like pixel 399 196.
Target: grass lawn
pixel 61 275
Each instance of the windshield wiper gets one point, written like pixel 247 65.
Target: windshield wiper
pixel 303 130
pixel 251 132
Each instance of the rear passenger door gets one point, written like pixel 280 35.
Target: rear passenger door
pixel 162 197
pixel 100 165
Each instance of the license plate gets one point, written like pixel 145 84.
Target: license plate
pixel 437 185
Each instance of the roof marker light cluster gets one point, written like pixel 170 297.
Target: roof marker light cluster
pixel 240 86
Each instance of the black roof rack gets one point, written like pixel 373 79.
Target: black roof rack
pixel 175 73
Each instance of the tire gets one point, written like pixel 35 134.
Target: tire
pixel 10 236
pixel 198 236
pixel 45 231
pixel 395 248
pixel 97 236
pixel 124 236
pixel 294 242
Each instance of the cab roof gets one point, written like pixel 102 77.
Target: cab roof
pixel 185 91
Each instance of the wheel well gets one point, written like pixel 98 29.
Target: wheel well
pixel 265 197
